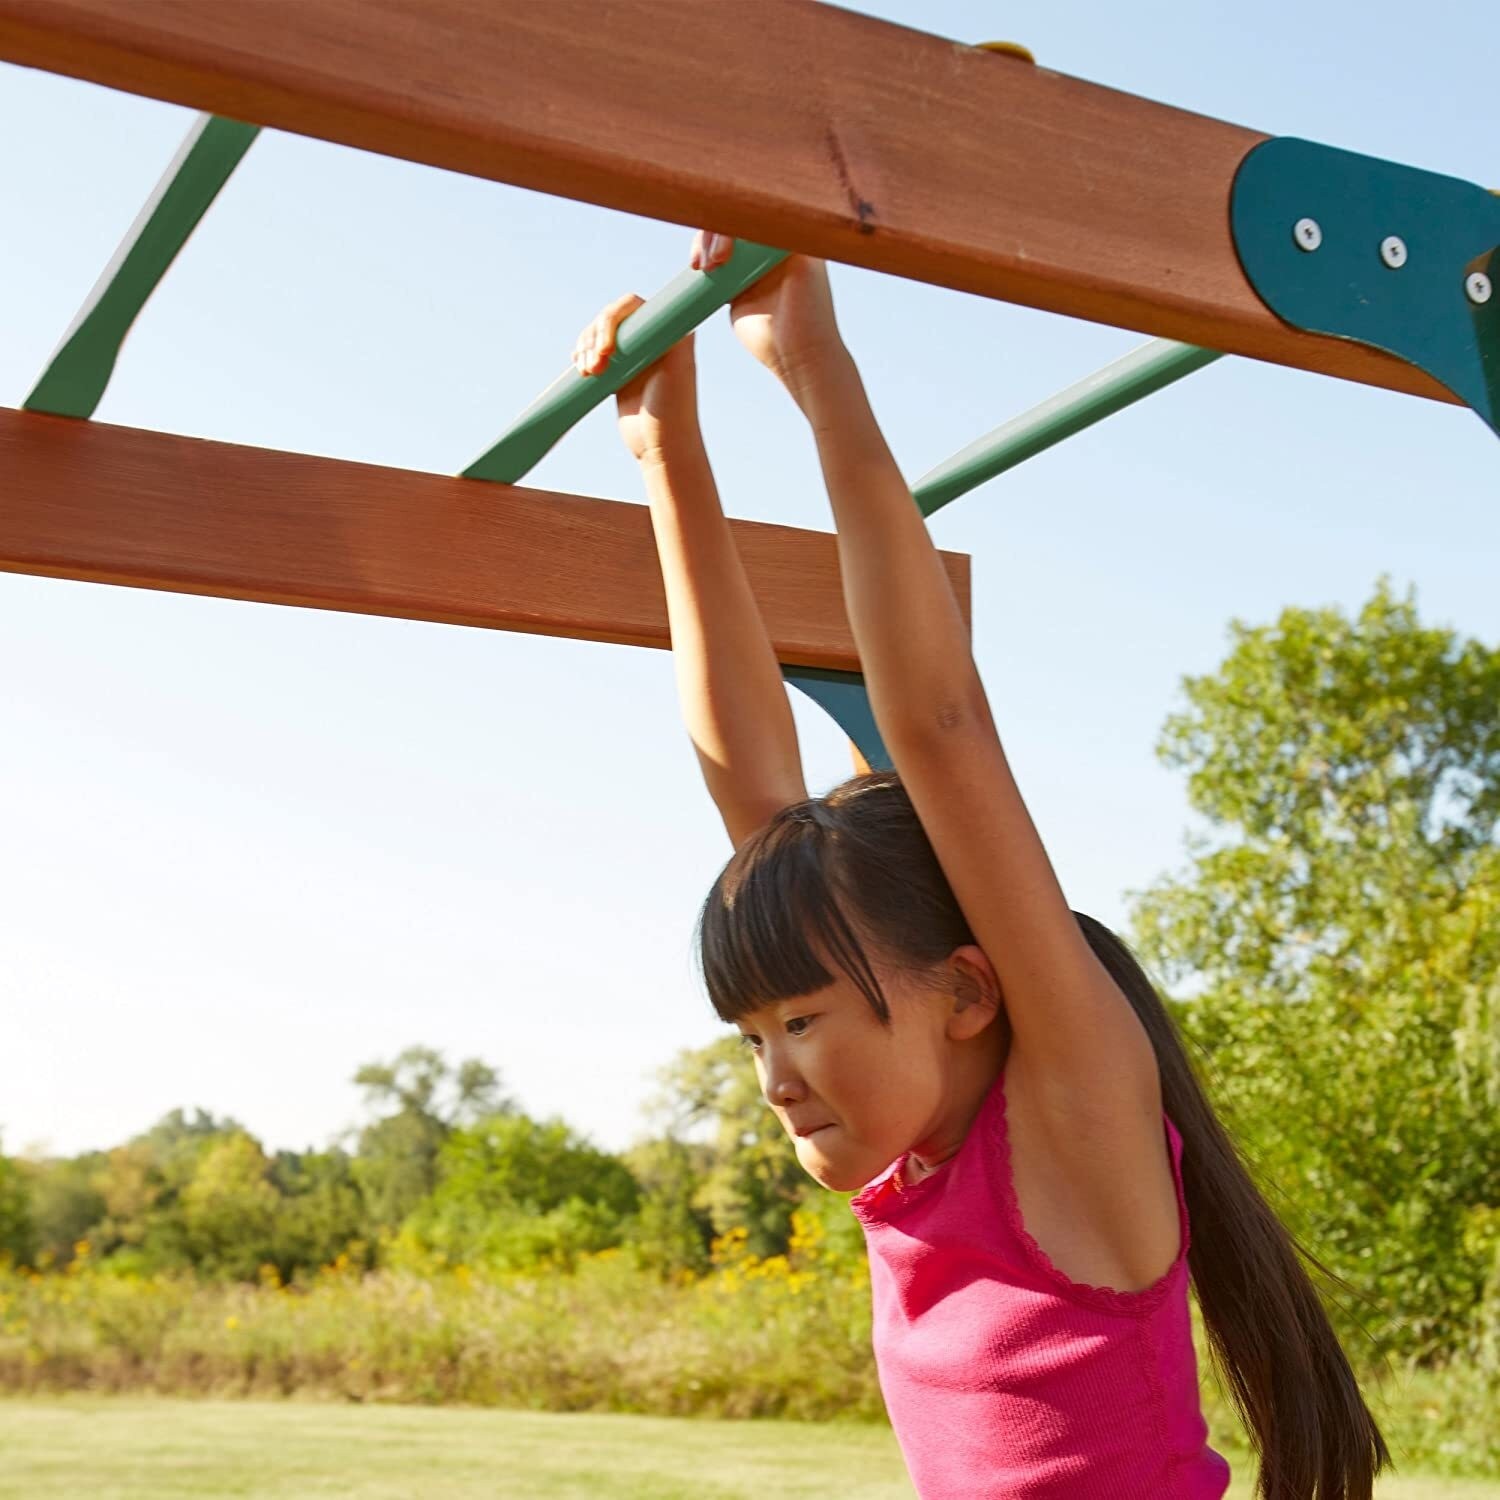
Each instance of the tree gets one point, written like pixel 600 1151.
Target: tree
pixel 1339 927
pixel 512 1191
pixel 321 1214
pixel 754 1179
pixel 66 1204
pixel 671 1231
pixel 142 1182
pixel 396 1163
pixel 230 1209
pixel 17 1233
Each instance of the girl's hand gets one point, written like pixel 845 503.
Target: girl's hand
pixel 786 319
pixel 661 403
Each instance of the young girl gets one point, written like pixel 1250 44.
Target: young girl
pixel 935 1027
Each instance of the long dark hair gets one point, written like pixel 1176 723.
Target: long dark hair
pixel 852 873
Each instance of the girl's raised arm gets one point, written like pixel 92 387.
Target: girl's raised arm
pixel 1080 1036
pixel 734 702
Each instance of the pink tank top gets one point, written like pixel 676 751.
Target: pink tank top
pixel 1003 1378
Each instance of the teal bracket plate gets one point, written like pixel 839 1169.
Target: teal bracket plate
pixel 74 382
pixel 842 696
pixel 1420 309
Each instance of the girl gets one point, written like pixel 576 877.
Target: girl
pixel 934 1027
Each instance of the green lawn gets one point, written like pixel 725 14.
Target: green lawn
pixel 142 1449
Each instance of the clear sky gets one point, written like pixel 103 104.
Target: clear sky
pixel 247 848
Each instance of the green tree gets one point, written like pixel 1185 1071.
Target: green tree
pixel 754 1179
pixel 66 1204
pixel 1338 929
pixel 229 1209
pixel 512 1191
pixel 671 1231
pixel 321 1215
pixel 142 1183
pixel 17 1233
pixel 420 1099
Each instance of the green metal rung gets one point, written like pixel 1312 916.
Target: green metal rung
pixel 75 380
pixel 680 306
pixel 1139 374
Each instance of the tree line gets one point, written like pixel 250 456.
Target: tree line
pixel 447 1171
pixel 1330 949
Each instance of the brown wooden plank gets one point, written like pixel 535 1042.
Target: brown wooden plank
pixel 119 505
pixel 788 122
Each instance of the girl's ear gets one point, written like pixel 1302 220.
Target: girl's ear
pixel 977 996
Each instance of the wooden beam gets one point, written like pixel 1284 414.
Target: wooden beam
pixel 118 505
pixel 786 122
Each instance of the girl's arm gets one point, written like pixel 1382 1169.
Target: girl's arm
pixel 734 701
pixel 1080 1035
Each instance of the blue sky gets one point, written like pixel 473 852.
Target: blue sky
pixel 248 848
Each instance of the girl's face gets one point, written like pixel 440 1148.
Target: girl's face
pixel 826 1060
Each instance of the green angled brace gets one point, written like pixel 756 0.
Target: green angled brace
pixel 680 306
pixel 75 380
pixel 1402 259
pixel 1139 374
pixel 842 696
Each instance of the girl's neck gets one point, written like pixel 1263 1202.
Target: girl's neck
pixel 917 1166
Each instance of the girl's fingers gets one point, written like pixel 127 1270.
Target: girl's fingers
pixel 597 342
pixel 607 324
pixel 710 250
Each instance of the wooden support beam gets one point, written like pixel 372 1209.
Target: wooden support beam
pixel 786 122
pixel 110 504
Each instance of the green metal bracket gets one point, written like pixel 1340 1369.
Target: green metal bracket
pixel 1405 260
pixel 680 306
pixel 74 382
pixel 842 696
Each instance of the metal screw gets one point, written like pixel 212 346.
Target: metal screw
pixel 1477 285
pixel 1308 234
pixel 1393 251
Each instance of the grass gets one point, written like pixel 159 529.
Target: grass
pixel 132 1448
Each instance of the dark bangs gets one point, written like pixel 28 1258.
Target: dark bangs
pixel 773 922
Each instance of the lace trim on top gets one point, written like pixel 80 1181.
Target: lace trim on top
pixel 1133 1303
pixel 1147 1298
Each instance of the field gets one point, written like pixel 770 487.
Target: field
pixel 124 1448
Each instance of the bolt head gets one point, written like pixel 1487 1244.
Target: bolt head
pixel 1393 251
pixel 1308 234
pixel 1478 287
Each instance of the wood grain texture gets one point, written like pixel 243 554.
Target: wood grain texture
pixel 787 122
pixel 119 505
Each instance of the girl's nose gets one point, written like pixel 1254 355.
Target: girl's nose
pixel 782 1085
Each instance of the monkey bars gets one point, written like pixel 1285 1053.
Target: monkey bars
pixel 795 125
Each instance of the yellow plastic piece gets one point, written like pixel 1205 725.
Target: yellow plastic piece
pixel 1010 49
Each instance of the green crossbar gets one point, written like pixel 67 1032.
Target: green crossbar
pixel 74 382
pixel 680 306
pixel 1140 373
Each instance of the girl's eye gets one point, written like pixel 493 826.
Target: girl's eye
pixel 750 1040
